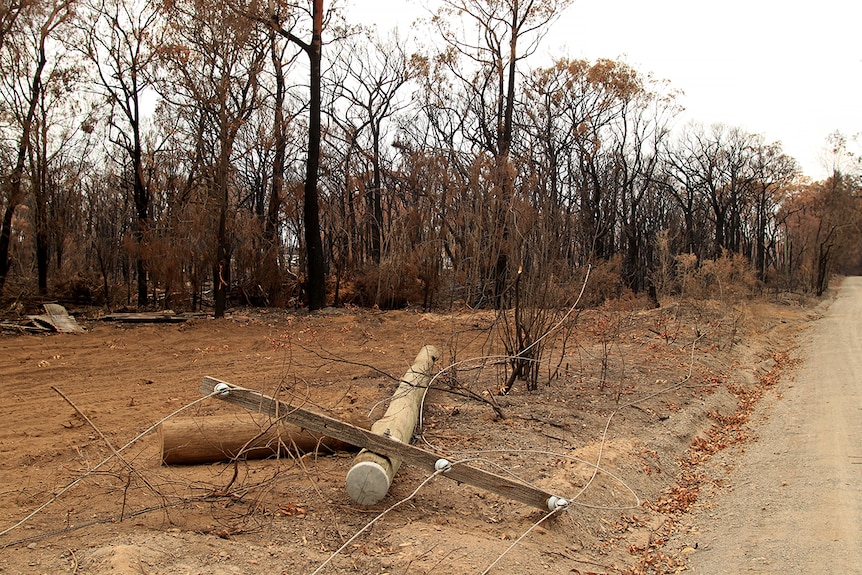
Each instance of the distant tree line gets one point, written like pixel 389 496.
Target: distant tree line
pixel 191 153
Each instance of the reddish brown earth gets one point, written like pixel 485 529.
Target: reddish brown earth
pixel 678 385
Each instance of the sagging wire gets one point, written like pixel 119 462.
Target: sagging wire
pixel 440 469
pixel 597 465
pixel 486 358
pixel 572 501
pixel 115 453
pixel 634 402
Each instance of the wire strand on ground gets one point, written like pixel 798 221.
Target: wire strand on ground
pixel 603 441
pixel 114 454
pixel 379 517
pixel 519 539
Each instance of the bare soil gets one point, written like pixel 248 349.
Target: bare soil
pixel 646 396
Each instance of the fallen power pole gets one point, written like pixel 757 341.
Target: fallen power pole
pixel 382 445
pixel 369 479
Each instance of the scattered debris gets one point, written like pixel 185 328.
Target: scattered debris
pixel 153 317
pixel 28 327
pixel 59 319
pixel 55 319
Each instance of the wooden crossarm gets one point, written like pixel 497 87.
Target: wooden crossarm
pixel 424 459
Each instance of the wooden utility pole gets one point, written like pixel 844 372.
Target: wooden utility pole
pixel 369 479
pixel 392 448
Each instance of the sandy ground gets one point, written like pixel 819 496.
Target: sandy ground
pixel 641 402
pixel 792 502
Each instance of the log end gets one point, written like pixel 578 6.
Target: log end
pixel 367 482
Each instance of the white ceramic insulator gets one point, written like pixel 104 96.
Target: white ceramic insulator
pixel 222 389
pixel 555 503
pixel 442 464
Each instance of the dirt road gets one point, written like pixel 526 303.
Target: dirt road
pixel 792 501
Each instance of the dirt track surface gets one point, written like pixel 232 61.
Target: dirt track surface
pixel 644 400
pixel 793 503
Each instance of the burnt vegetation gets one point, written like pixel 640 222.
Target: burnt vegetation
pixel 191 156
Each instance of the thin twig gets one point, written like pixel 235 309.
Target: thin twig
pixel 111 519
pixel 74 561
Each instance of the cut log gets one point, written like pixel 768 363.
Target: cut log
pixel 222 438
pixel 369 479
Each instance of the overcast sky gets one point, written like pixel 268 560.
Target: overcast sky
pixel 791 71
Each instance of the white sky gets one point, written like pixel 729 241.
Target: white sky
pixel 789 70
